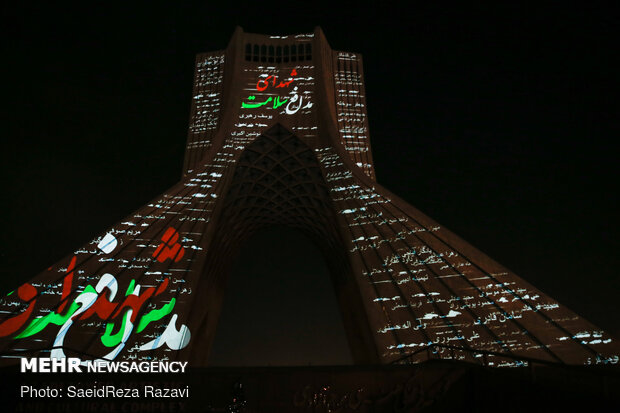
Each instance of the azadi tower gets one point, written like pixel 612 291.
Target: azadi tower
pixel 279 135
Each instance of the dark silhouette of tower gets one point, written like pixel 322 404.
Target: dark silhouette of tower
pixel 278 135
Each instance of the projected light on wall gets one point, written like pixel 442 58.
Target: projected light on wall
pixel 92 305
pixel 292 147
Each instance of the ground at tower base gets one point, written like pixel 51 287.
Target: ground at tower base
pixel 434 386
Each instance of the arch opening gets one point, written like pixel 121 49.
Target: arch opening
pixel 280 307
pixel 278 181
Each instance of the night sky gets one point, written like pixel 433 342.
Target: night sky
pixel 498 121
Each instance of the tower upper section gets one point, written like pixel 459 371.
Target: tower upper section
pixel 295 80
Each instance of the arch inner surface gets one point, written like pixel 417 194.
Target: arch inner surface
pixel 278 181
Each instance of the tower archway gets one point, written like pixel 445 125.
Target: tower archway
pixel 278 181
pixel 279 308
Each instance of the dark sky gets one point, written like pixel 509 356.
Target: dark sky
pixel 498 121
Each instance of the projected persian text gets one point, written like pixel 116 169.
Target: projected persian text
pixel 292 149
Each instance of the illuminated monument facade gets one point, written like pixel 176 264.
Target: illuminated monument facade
pixel 279 135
